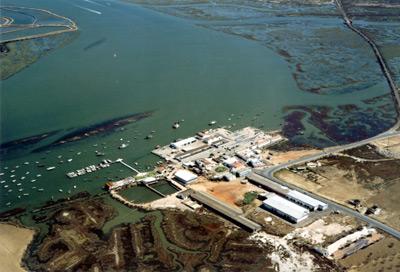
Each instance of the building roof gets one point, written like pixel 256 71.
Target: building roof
pixel 285 206
pixel 305 198
pixel 183 142
pixel 185 175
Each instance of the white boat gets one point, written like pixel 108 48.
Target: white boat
pixel 20 189
pixel 12 176
pixel 176 125
pixel 213 122
pixel 74 186
pixel 5 186
pixel 38 175
pixel 3 181
pixel 60 190
pixel 123 146
pixel 26 163
pixel 27 173
pixel 22 178
pixel 69 160
pixel 50 168
pixel 1 174
pixel 33 180
pixel 12 171
pixel 40 190
pixel 26 194
pixel 8 203
pixel 19 184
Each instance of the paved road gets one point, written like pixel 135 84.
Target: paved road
pixel 269 173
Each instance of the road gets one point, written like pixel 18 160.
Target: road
pixel 269 173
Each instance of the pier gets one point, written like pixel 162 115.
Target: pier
pixel 234 214
pixel 127 165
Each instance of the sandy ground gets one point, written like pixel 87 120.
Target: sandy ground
pixel 13 242
pixel 381 256
pixel 335 188
pixel 168 202
pixel 392 144
pixel 230 192
pixel 317 232
pixel 281 157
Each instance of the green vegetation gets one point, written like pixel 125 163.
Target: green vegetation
pixel 249 197
pixel 220 169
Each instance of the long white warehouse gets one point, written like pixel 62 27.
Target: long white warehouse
pixel 285 208
pixel 306 201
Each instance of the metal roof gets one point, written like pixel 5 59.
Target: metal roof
pixel 285 206
pixel 305 199
pixel 185 175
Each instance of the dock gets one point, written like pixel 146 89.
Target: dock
pixel 127 165
pixel 234 214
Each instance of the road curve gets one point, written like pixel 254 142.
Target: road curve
pixel 269 173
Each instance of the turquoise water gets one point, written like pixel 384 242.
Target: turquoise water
pixel 148 61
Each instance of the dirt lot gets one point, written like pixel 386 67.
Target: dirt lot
pixel 279 157
pixel 391 144
pixel 381 256
pixel 230 192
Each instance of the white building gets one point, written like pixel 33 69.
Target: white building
pixel 306 201
pixel 184 142
pixel 185 176
pixel 285 208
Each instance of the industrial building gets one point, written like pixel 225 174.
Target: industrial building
pixel 185 176
pixel 285 208
pixel 306 201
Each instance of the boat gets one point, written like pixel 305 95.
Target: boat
pixel 74 186
pixel 213 122
pixel 123 146
pixel 19 184
pixel 22 178
pixel 50 168
pixel 21 189
pixel 38 175
pixel 176 125
pixel 40 190
pixel 27 173
pixel 5 186
pixel 99 153
pixel 33 180
pixel 8 203
pixel 148 137
pixel 3 181
pixel 69 160
pixel 12 176
pixel 60 190
pixel 1 174
pixel 26 194
pixel 12 171
pixel 26 163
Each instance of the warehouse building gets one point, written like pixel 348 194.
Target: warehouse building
pixel 285 208
pixel 185 176
pixel 306 201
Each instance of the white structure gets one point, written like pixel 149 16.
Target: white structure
pixel 185 176
pixel 332 248
pixel 285 208
pixel 306 201
pixel 184 142
pixel 120 183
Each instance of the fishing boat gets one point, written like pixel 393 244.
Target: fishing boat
pixel 176 125
pixel 50 168
pixel 123 146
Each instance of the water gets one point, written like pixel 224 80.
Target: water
pixel 148 61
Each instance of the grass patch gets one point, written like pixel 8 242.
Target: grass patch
pixel 221 169
pixel 249 197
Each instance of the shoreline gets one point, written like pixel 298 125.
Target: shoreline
pixel 14 242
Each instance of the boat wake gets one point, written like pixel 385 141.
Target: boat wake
pixel 88 9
